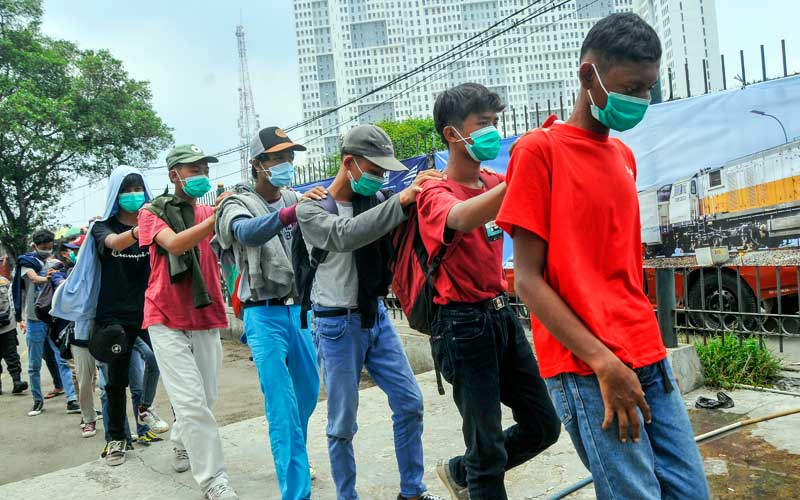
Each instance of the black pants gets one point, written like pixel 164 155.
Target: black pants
pixel 50 360
pixel 8 352
pixel 485 355
pixel 117 383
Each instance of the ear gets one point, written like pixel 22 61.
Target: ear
pixel 450 135
pixel 586 75
pixel 347 161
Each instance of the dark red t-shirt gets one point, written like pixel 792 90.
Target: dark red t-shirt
pixel 577 191
pixel 472 267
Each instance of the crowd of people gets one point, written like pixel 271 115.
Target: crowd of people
pixel 308 275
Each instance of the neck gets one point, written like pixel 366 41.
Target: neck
pixel 340 187
pixel 127 218
pixel 582 116
pixel 267 191
pixel 185 197
pixel 463 169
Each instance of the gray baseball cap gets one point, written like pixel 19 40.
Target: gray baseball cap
pixel 372 142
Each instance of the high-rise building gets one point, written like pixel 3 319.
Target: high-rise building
pixel 688 31
pixel 347 48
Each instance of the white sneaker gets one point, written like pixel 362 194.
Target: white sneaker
pixel 180 462
pixel 151 419
pixel 221 491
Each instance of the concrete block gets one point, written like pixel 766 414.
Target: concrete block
pixel 235 327
pixel 686 366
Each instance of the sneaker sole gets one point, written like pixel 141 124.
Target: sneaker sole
pixel 181 470
pixel 35 413
pixel 444 477
pixel 89 434
pixel 114 462
pixel 73 412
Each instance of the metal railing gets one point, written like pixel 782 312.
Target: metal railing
pixel 749 301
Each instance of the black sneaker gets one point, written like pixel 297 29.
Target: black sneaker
pixel 425 496
pixel 73 407
pixel 19 387
pixel 38 408
pixel 128 445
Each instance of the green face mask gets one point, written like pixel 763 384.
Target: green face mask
pixel 367 184
pixel 622 112
pixel 131 202
pixel 485 143
pixel 196 186
pixel 71 257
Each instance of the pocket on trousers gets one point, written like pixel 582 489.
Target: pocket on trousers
pixel 467 329
pixel 330 330
pixel 558 395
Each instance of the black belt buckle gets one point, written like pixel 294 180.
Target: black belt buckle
pixel 499 302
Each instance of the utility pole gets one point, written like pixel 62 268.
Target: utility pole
pixel 248 119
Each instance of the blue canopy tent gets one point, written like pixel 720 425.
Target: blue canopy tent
pixel 676 139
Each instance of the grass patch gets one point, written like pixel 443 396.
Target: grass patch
pixel 731 362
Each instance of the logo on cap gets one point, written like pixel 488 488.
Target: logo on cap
pixel 196 149
pixel 280 133
pixel 116 348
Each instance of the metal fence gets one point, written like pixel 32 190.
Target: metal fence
pixel 749 301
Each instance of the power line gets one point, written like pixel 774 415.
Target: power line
pixel 408 74
pixel 463 54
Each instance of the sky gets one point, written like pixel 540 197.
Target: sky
pixel 186 49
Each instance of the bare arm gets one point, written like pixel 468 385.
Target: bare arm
pixel 35 278
pixel 475 212
pixel 180 243
pixel 619 385
pixel 122 240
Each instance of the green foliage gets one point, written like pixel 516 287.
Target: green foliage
pixel 64 112
pixel 731 362
pixel 413 137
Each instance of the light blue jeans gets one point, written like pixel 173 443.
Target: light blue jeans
pixel 664 464
pixel 284 356
pixel 36 336
pixel 344 348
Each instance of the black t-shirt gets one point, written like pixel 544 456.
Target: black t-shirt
pixel 124 277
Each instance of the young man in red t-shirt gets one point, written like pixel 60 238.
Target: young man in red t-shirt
pixel 183 311
pixel 478 343
pixel 573 212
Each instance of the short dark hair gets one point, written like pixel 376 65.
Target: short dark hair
pixel 43 236
pixel 622 37
pixel 131 180
pixel 454 105
pixel 62 246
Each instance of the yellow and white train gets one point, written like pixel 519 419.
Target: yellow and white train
pixel 748 203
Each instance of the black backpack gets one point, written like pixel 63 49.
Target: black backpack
pixel 44 302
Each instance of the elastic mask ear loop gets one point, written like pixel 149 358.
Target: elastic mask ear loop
pixel 600 80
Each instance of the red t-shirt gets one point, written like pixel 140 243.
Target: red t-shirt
pixel 577 191
pixel 171 304
pixel 472 268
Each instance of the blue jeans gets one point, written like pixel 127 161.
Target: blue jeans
pixel 664 464
pixel 284 356
pixel 36 337
pixel 143 379
pixel 344 348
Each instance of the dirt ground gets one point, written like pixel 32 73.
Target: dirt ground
pixel 31 446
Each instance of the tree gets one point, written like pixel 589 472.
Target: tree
pixel 413 137
pixel 64 113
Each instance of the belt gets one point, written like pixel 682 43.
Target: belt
pixel 334 313
pixel 495 304
pixel 260 303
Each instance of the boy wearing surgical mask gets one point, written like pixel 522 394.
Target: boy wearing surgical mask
pixel 477 340
pixel 596 336
pixel 255 226
pixel 183 312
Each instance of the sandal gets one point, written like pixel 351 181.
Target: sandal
pixel 54 393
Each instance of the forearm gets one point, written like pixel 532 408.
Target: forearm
pixel 120 241
pixel 180 243
pixel 477 211
pixel 35 278
pixel 256 231
pixel 562 322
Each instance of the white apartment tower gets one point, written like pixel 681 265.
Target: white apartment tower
pixel 688 32
pixel 347 48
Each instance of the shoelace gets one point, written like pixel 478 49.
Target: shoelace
pixel 183 454
pixel 116 446
pixel 218 489
pixel 153 413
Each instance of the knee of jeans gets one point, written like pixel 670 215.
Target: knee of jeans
pixel 412 408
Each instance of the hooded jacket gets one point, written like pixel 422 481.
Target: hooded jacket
pixel 76 299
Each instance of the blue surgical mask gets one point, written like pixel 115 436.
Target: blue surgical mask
pixel 281 175
pixel 622 112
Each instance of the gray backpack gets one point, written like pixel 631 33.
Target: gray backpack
pixel 6 311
